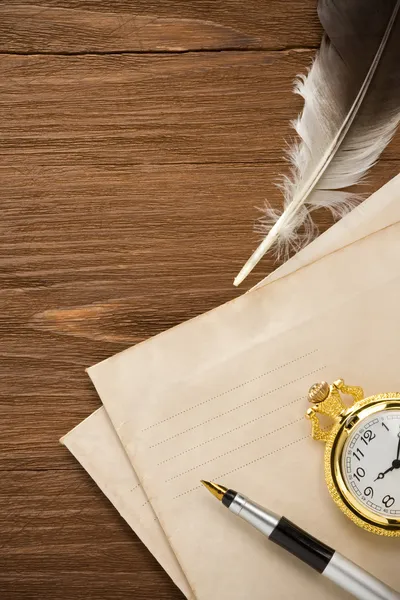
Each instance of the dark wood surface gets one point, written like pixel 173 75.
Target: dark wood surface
pixel 136 140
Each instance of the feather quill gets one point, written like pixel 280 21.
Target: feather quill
pixel 351 111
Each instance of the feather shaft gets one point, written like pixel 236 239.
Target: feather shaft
pixel 313 169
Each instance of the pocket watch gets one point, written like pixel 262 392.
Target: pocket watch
pixel 362 453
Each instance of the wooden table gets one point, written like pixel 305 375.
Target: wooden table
pixel 137 138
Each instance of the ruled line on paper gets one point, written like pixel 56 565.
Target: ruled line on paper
pixel 231 410
pixel 218 477
pixel 231 450
pixel 186 410
pixel 267 414
pixel 137 486
pixel 304 437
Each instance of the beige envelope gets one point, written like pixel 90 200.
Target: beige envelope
pixel 97 447
pixel 222 396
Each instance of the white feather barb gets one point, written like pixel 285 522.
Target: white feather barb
pixel 343 128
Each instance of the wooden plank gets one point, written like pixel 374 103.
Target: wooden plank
pixel 195 108
pixel 61 538
pixel 82 250
pixel 117 26
pixel 202 107
pixel 129 185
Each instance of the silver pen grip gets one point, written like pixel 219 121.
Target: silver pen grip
pixel 343 572
pixel 354 579
pixel 254 514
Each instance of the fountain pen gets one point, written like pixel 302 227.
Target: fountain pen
pixel 314 553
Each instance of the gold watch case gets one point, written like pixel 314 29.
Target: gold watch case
pixel 326 400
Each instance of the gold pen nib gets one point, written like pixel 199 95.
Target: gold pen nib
pixel 216 490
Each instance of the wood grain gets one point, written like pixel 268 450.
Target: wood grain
pixel 136 141
pixel 77 26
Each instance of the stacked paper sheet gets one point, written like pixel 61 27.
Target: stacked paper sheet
pixel 223 397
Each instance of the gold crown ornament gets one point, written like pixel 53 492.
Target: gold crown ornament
pixel 362 453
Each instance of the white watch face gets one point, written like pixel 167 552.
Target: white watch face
pixel 371 463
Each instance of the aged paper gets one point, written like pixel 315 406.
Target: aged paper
pixel 222 397
pixel 379 210
pixel 95 444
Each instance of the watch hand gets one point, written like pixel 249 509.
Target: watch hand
pixel 395 463
pixel 382 475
